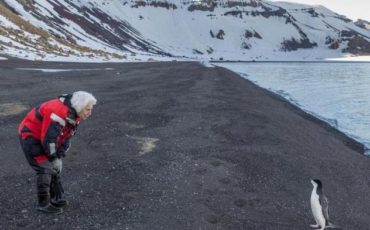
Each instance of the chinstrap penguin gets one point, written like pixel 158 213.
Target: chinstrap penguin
pixel 319 207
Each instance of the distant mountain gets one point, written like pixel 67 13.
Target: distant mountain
pixel 202 29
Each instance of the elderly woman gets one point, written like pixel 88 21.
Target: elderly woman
pixel 45 135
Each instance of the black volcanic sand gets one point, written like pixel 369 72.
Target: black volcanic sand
pixel 179 146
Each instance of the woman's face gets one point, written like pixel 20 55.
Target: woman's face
pixel 85 112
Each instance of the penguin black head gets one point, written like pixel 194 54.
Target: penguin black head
pixel 316 182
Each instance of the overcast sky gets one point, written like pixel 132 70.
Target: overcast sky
pixel 353 9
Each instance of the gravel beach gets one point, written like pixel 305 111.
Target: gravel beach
pixel 177 145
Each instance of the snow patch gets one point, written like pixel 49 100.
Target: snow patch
pixel 12 108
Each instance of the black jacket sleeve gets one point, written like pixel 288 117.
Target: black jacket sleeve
pixel 62 150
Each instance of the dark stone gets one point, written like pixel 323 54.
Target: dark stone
pixel 312 12
pixel 293 44
pixel 246 46
pixel 348 33
pixel 220 34
pixel 358 45
pixel 343 18
pixel 257 35
pixel 248 34
pixel 210 50
pixel 195 51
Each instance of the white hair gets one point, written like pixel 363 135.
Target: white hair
pixel 81 99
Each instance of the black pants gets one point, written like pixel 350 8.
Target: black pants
pixel 31 148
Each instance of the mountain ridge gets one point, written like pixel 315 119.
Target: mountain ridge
pixel 205 29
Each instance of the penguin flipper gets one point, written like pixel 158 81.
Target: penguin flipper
pixel 325 207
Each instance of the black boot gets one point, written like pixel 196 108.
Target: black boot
pixel 56 192
pixel 60 203
pixel 43 193
pixel 45 206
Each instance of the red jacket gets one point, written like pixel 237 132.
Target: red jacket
pixel 52 123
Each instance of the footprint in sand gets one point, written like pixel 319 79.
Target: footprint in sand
pixel 146 144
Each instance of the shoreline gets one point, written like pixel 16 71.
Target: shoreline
pixel 347 139
pixel 323 61
pixel 355 144
pixel 356 59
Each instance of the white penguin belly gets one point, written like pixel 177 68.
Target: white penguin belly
pixel 317 210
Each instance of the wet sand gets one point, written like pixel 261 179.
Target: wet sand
pixel 179 146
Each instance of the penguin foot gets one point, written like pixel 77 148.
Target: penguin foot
pixel 330 225
pixel 314 226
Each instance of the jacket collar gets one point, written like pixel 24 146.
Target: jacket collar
pixel 72 114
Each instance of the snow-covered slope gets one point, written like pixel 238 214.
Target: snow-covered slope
pixel 201 29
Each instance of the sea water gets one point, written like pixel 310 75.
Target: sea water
pixel 336 92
